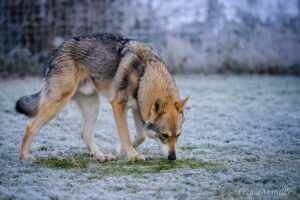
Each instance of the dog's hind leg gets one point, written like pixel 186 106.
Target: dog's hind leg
pixel 47 111
pixel 141 136
pixel 56 94
pixel 89 106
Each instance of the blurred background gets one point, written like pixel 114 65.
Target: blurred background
pixel 205 36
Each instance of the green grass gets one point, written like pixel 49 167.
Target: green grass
pixel 118 168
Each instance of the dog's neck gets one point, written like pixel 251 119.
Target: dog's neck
pixel 156 83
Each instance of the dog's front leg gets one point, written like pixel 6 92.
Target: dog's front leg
pixel 120 108
pixel 141 136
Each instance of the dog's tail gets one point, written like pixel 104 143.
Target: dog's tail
pixel 29 105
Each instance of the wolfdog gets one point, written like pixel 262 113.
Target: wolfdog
pixel 129 73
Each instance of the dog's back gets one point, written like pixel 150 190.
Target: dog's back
pixel 100 54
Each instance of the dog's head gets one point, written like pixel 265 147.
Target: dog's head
pixel 165 123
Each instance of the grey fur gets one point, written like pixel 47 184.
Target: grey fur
pixel 28 105
pixel 101 54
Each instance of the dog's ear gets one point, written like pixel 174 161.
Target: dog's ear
pixel 180 105
pixel 158 107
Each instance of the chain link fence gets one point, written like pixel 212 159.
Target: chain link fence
pixel 31 29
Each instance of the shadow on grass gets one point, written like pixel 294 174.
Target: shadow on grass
pixel 118 168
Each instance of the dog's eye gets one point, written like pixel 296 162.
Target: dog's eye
pixel 165 135
pixel 178 135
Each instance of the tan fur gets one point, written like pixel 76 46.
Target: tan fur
pixel 157 83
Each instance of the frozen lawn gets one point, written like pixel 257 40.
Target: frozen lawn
pixel 241 139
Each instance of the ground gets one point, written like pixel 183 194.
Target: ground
pixel 240 139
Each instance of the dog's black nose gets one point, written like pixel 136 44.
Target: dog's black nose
pixel 172 156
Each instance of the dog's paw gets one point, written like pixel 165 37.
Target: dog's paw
pixel 137 157
pixel 109 157
pixel 27 157
pixel 132 154
pixel 104 157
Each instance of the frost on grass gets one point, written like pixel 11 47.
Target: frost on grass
pixel 240 139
